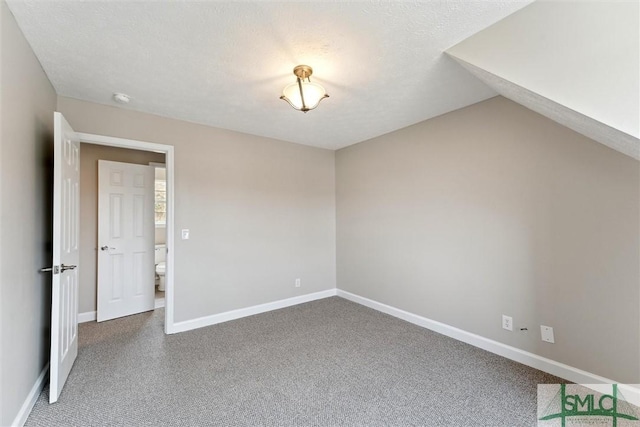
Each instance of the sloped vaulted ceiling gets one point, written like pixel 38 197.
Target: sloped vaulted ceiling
pixel 577 63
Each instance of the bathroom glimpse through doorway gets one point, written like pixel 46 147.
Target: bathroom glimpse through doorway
pixel 160 235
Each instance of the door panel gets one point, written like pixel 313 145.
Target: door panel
pixel 126 234
pixel 66 219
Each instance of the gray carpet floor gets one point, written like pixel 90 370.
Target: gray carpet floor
pixel 325 363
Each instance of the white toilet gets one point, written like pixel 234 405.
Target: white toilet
pixel 161 265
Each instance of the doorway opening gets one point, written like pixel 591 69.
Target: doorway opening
pixel 160 157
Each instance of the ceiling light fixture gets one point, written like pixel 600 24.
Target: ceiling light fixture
pixel 303 95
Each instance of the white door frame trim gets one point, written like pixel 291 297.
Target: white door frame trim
pixel 169 164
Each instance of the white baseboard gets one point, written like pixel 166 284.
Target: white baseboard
pixel 526 358
pixel 87 316
pixel 159 303
pixel 31 399
pixel 201 322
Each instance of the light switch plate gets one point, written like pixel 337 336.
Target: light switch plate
pixel 547 334
pixel 185 234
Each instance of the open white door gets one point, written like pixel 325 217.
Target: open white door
pixel 66 219
pixel 126 274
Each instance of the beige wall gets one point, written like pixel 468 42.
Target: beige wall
pixel 27 102
pixel 89 156
pixel 493 210
pixel 261 211
pixel 160 235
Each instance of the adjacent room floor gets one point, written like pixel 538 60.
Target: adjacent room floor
pixel 159 299
pixel 325 363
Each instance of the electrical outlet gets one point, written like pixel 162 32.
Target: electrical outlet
pixel 546 332
pixel 297 283
pixel 507 323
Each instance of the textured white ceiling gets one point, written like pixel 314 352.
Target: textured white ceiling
pixel 224 64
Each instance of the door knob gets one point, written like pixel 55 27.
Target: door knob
pixel 105 248
pixel 64 268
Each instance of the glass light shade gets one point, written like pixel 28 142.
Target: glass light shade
pixel 313 94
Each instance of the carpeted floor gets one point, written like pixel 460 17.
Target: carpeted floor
pixel 326 363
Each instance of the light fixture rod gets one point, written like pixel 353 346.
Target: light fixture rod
pixel 304 106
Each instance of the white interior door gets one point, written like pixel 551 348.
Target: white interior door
pixel 126 272
pixel 66 218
